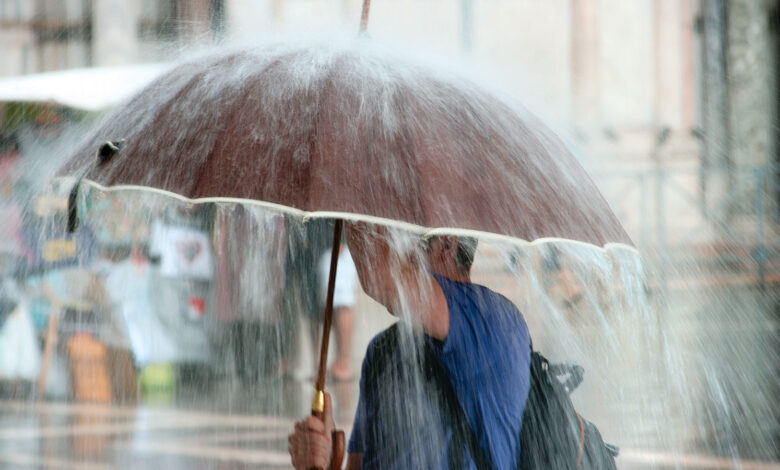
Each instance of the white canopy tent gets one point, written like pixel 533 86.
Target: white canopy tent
pixel 89 89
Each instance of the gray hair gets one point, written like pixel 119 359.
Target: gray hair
pixel 467 246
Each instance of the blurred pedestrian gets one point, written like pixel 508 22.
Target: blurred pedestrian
pixel 250 251
pixel 343 310
pixel 560 280
pixel 305 243
pixel 129 286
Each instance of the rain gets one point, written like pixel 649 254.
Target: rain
pixel 173 175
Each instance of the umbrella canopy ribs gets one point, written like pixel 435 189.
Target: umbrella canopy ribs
pixel 351 131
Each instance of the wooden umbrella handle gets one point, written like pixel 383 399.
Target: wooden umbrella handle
pixel 338 445
pixel 319 385
pixel 318 404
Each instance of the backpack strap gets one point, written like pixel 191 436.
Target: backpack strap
pixel 462 432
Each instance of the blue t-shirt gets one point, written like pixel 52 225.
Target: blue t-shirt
pixel 487 358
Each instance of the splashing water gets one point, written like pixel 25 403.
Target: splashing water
pixel 206 305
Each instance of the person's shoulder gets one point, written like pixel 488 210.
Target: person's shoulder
pixel 456 289
pixel 498 305
pixel 467 287
pixel 476 292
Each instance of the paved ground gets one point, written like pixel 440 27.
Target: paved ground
pixel 95 437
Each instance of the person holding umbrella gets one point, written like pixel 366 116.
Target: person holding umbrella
pixel 479 339
pixel 356 133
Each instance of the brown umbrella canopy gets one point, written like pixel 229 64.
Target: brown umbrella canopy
pixel 351 129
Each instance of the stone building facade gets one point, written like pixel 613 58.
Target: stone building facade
pixel 653 94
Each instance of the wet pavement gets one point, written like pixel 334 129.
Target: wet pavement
pixel 98 437
pixel 102 437
pixel 217 425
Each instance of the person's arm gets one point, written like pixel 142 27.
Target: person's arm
pixel 354 460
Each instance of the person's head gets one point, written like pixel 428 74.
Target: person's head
pixel 380 258
pixel 372 254
pixel 451 256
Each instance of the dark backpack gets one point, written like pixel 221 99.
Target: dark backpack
pixel 554 436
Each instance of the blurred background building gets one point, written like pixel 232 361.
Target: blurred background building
pixel 672 104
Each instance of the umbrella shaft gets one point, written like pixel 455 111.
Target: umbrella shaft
pixel 364 16
pixel 328 316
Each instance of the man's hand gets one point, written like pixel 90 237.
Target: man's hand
pixel 311 442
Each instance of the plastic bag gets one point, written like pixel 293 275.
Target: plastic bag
pixel 20 357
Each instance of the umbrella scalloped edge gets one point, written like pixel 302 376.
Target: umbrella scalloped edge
pixel 414 228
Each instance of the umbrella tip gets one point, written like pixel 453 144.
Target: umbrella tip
pixel 108 149
pixel 364 17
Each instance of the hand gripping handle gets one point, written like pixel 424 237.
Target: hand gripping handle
pixel 338 443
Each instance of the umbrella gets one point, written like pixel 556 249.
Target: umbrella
pixel 348 131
